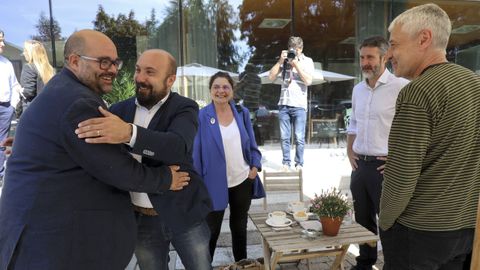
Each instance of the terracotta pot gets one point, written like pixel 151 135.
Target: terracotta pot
pixel 331 226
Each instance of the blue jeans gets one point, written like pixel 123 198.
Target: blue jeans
pixel 153 245
pixel 298 117
pixel 6 116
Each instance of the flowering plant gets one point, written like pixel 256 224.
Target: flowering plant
pixel 330 203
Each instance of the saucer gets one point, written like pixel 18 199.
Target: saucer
pixel 287 223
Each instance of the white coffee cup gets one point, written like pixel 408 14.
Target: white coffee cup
pixel 277 217
pixel 296 206
pixel 300 216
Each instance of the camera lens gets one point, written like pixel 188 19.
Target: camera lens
pixel 291 54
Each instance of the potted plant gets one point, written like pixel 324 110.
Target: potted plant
pixel 331 206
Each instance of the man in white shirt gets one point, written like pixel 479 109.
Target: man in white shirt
pixel 297 71
pixel 8 84
pixel 373 108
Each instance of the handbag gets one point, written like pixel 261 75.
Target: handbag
pixel 258 190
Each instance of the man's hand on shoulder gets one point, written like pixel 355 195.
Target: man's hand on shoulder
pixel 179 179
pixel 108 129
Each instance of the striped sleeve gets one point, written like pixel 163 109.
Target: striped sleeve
pixel 408 143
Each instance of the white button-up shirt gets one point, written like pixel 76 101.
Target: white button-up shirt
pixel 8 80
pixel 143 116
pixel 294 94
pixel 372 114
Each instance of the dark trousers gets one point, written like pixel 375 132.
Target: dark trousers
pixel 239 199
pixel 406 248
pixel 366 187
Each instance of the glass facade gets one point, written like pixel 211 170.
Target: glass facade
pixel 245 37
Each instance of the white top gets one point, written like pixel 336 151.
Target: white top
pixel 237 168
pixel 372 114
pixel 143 116
pixel 8 80
pixel 294 94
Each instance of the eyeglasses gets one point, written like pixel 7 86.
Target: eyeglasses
pixel 217 87
pixel 105 62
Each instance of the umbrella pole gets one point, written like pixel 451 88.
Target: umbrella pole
pixel 185 86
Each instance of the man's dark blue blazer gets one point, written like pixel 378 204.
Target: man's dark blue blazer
pixel 168 140
pixel 65 203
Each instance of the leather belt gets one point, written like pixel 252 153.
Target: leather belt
pixel 146 211
pixel 367 158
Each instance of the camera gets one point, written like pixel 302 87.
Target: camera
pixel 291 54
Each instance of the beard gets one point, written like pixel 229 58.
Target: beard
pixel 370 72
pixel 146 96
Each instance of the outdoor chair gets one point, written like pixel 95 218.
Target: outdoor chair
pixel 282 181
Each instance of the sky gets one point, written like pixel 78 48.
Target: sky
pixel 19 17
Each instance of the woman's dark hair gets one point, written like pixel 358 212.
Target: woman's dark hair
pixel 221 74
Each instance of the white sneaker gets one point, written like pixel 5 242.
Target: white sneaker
pixel 285 168
pixel 298 168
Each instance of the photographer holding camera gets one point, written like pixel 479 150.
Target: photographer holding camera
pixel 297 71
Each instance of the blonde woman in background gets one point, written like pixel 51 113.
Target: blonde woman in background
pixel 35 74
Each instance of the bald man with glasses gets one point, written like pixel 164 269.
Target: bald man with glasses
pixel 65 203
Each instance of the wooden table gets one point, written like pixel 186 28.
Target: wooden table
pixel 289 245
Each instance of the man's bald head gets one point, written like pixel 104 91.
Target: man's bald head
pixel 164 57
pixel 155 73
pixel 84 52
pixel 84 41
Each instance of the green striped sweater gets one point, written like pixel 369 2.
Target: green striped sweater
pixel 432 175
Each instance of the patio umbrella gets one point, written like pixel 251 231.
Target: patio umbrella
pixel 319 77
pixel 192 80
pixel 198 70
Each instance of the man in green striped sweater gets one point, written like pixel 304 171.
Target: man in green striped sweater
pixel 432 176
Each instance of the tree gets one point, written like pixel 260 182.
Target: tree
pixel 103 22
pixel 152 23
pixel 224 17
pixel 43 29
pixel 120 27
pixel 123 30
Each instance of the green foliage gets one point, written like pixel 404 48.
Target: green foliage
pixel 330 203
pixel 224 17
pixel 121 26
pixel 43 29
pixel 123 88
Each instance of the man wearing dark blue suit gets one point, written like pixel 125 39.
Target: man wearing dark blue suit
pixel 64 204
pixel 164 127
